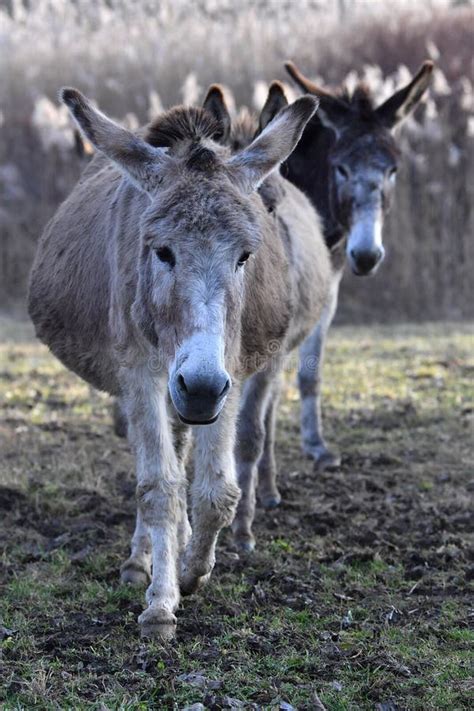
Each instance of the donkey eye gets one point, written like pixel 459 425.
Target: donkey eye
pixel 342 171
pixel 243 258
pixel 165 254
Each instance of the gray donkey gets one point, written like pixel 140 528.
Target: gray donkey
pixel 346 164
pixel 352 203
pixel 165 281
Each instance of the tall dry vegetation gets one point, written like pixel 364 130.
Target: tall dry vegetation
pixel 135 57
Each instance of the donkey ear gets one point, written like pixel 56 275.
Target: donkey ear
pixel 273 146
pixel 215 104
pixel 398 106
pixel 142 163
pixel 276 100
pixel 332 112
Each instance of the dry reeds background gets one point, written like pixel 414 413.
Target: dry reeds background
pixel 134 58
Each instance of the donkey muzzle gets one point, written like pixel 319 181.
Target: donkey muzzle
pixel 364 249
pixel 199 396
pixel 365 262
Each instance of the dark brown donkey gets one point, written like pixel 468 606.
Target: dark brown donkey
pixel 163 280
pixel 346 163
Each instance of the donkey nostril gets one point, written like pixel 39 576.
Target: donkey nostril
pixel 199 386
pixel 343 171
pixel 353 254
pixel 182 383
pixel 225 389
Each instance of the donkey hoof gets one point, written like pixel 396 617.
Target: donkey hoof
pixel 245 544
pixel 270 501
pixel 324 460
pixel 190 584
pixel 328 462
pixel 157 624
pixel 132 573
pixel 194 575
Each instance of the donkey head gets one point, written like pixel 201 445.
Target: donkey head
pixel 353 189
pixel 201 223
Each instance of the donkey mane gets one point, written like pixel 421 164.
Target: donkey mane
pixel 180 124
pixel 244 129
pixel 360 100
pixel 361 95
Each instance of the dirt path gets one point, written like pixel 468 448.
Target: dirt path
pixel 358 594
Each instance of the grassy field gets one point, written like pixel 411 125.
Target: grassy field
pixel 357 595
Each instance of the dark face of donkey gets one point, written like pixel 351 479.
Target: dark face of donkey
pixel 201 224
pixel 363 166
pixel 349 172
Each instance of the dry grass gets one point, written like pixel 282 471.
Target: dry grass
pixel 135 57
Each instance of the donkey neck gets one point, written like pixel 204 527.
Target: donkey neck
pixel 308 168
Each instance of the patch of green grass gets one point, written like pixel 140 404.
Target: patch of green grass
pixel 280 544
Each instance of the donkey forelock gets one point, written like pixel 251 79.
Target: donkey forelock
pixel 359 101
pixel 182 124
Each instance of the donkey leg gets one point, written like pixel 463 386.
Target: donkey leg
pixel 137 568
pixel 268 493
pixel 158 487
pixel 214 495
pixel 182 443
pixel 309 380
pixel 249 449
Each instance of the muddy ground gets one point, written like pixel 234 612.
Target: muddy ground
pixel 358 597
